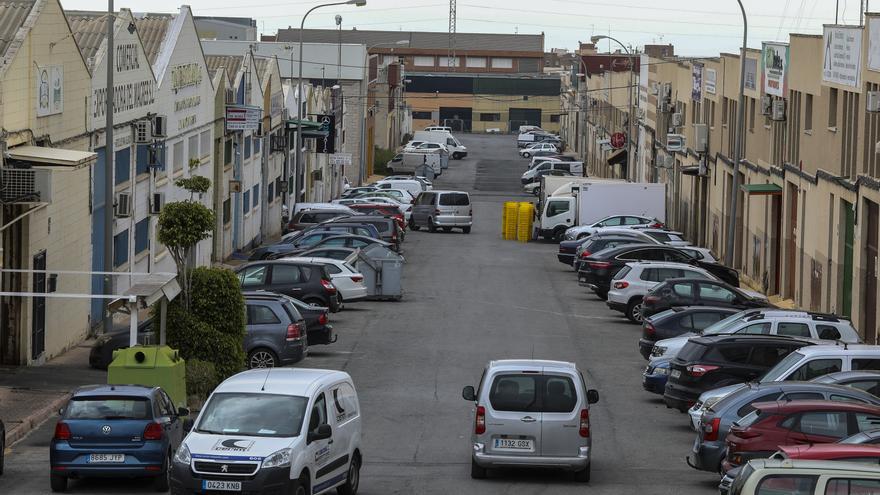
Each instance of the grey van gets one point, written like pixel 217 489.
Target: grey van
pixel 531 413
pixel 442 209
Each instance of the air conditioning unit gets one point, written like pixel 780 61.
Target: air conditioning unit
pixel 143 133
pixel 675 142
pixel 665 107
pixel 701 138
pixel 158 201
pixel 160 126
pixel 677 120
pixel 25 185
pixel 766 105
pixel 873 101
pixel 122 208
pixel 778 112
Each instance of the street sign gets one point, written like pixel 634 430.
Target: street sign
pixel 340 159
pixel 327 144
pixel 618 140
pixel 243 117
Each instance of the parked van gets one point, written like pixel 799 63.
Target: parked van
pixel 442 209
pixel 456 150
pixel 532 174
pixel 413 186
pixel 424 164
pixel 278 430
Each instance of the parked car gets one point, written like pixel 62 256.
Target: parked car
pixel 635 280
pixel 668 237
pixel 318 327
pixel 655 376
pixel 412 186
pixel 442 209
pixel 807 477
pixel 427 185
pixel 868 380
pixel 303 239
pixel 348 281
pixel 707 363
pixel 281 431
pixel 710 447
pixel 678 321
pixel 389 230
pixel 525 413
pixel 871 437
pixel 275 332
pixel 699 253
pixel 116 431
pixel 357 191
pixel 336 253
pixel 306 218
pixel 534 186
pixel 351 241
pixel 383 209
pixel 307 282
pixel 570 252
pixel 771 424
pixel 532 149
pixel 698 292
pixel 624 221
pixel 554 167
pixel 101 354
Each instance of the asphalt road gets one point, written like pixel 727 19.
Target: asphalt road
pixel 470 299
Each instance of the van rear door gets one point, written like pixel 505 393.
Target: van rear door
pixel 455 204
pixel 561 416
pixel 513 418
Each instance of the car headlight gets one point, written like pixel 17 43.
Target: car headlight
pixel 658 350
pixel 183 456
pixel 661 371
pixel 278 459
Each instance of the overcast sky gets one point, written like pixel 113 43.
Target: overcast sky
pixel 695 27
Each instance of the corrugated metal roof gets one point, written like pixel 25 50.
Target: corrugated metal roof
pixel 228 62
pixel 89 30
pixel 12 16
pixel 418 39
pixel 262 64
pixel 152 29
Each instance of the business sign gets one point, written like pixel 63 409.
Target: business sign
pixel 327 144
pixel 50 90
pixel 842 59
pixel 697 86
pixel 243 117
pixel 340 159
pixel 711 78
pixel 751 74
pixel 774 69
pixel 874 43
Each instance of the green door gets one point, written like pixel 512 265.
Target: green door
pixel 848 235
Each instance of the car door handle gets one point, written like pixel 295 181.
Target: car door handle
pixel 329 441
pixel 528 419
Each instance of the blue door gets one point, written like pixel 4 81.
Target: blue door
pixel 98 234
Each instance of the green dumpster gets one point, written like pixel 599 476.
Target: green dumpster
pixel 153 366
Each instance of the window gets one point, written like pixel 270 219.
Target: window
pixel 423 61
pixel 193 149
pixel 258 143
pixel 344 402
pixel 490 117
pixel 676 257
pixel 767 356
pixel 142 236
pixel 476 62
pixel 455 199
pixel 256 195
pixel 120 249
pixel 865 364
pixel 258 314
pixel 227 152
pixel 177 161
pixel 815 368
pixel 421 115
pixel 286 275
pixel 701 321
pixel 755 329
pixel 828 332
pixel 711 292
pixel 832 107
pixel 122 166
pixel 319 413
pixel 853 486
pixel 101 407
pixel 253 276
pixel 751 114
pixel 270 193
pixel 246 201
pixel 786 483
pixel 142 159
pixel 278 186
pixel 808 113
pixel 444 61
pixel 870 386
pixel 823 423
pixel 732 353
pixel 867 422
pixel 554 118
pixel 684 290
pixel 227 210
pixel 205 143
pixel 502 63
pixel 557 208
pixel 514 393
pixel 724 105
pixel 247 147
pixel 793 329
pixel 749 407
pixel 559 394
pixel 611 222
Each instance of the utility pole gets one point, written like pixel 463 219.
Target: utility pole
pixel 108 172
pixel 450 53
pixel 738 143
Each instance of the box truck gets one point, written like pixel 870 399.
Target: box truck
pixel 456 150
pixel 424 164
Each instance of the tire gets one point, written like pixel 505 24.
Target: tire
pixel 2 457
pixel 262 357
pixel 559 234
pixel 300 487
pixel 58 483
pixel 456 156
pixel 466 230
pixel 583 475
pixel 537 191
pixel 412 224
pixel 353 480
pixel 634 310
pixel 477 472
pixel 447 229
pixel 601 294
pixel 163 482
pixel 431 227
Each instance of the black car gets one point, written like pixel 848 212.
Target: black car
pixel 698 292
pixel 598 269
pixel 101 354
pixel 707 363
pixel 291 242
pixel 301 280
pixel 593 244
pixel 389 229
pixel 677 321
pixel 306 218
pixel 317 322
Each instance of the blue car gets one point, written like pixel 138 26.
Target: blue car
pixel 655 375
pixel 116 431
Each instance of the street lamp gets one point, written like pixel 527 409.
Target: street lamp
pixel 629 150
pixel 299 91
pixel 738 142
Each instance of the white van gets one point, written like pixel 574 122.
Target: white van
pixel 532 174
pixel 278 430
pixel 425 164
pixel 438 128
pixel 456 150
pixel 413 186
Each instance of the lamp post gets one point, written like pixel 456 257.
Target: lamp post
pixel 629 148
pixel 738 142
pixel 299 87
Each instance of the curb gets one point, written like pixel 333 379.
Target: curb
pixel 34 420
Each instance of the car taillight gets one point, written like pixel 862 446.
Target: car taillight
pixel 698 370
pixel 745 433
pixel 650 299
pixel 153 431
pixel 650 331
pixel 329 287
pixel 585 254
pixel 657 225
pixel 480 421
pixel 584 429
pixel 294 331
pixel 62 431
pixel 710 430
pixel 436 212
pixel 623 284
pixel 323 319
pixel 599 265
pixel 357 278
pixel 470 212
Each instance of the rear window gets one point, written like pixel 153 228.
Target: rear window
pixel 108 408
pixel 514 393
pixel 692 351
pixel 622 273
pixel 454 199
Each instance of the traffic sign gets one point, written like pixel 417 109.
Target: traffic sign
pixel 618 140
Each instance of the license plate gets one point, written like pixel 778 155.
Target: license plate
pixel 223 486
pixel 106 458
pixel 514 444
pixel 675 373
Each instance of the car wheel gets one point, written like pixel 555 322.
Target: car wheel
pixel 559 234
pixel 350 487
pixel 466 230
pixel 262 358
pixel 163 482
pixel 583 475
pixel 2 458
pixel 634 310
pixel 456 156
pixel 526 155
pixel 431 226
pixel 412 224
pixel 447 229
pixel 58 483
pixel 537 191
pixel 300 487
pixel 477 472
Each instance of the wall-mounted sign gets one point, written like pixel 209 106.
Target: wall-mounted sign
pixel 185 75
pixel 711 78
pixel 243 118
pixel 50 90
pixel 842 59
pixel 774 69
pixel 341 159
pixel 327 144
pixel 126 96
pixel 697 82
pixel 751 74
pixel 126 57
pixel 874 43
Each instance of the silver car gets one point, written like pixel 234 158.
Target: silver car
pixel 442 209
pixel 531 413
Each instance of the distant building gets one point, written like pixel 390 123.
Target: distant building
pixel 226 28
pixel 660 51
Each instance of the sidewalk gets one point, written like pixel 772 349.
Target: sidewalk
pixel 31 394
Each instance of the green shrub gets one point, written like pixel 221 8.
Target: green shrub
pixel 201 379
pixel 381 157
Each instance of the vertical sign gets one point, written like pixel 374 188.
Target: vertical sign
pixel 874 43
pixel 50 90
pixel 711 77
pixel 327 144
pixel 697 89
pixel 842 59
pixel 751 74
pixel 774 69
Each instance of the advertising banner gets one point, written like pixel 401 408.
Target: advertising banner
pixel 50 90
pixel 774 69
pixel 842 60
pixel 697 88
pixel 711 78
pixel 327 144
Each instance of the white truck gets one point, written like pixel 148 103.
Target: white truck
pixel 424 164
pixel 589 200
pixel 456 150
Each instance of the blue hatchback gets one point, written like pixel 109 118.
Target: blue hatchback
pixel 655 375
pixel 116 431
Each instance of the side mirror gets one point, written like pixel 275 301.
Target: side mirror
pixel 182 411
pixel 468 393
pixel 320 433
pixel 188 424
pixel 592 396
pixel 61 412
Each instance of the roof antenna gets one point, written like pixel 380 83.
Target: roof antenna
pixel 263 388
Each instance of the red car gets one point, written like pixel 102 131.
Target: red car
pixel 832 452
pixel 381 209
pixel 760 433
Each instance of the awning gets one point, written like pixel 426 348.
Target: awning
pixel 691 170
pixel 313 133
pixel 761 189
pixel 51 156
pixel 618 158
pixel 305 123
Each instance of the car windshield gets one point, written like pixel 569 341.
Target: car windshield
pixel 724 326
pixel 109 407
pixel 776 372
pixel 740 481
pixel 256 415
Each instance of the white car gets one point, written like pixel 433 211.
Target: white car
pixel 531 149
pixel 292 429
pixel 635 280
pixel 349 201
pixel 412 186
pixel 699 253
pixel 348 281
pixel 622 221
pixel 428 185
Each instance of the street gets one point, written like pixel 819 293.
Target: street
pixel 470 299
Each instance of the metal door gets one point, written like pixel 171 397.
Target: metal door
pixel 38 322
pixel 560 417
pixel 870 305
pixel 849 221
pixel 776 240
pixel 791 254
